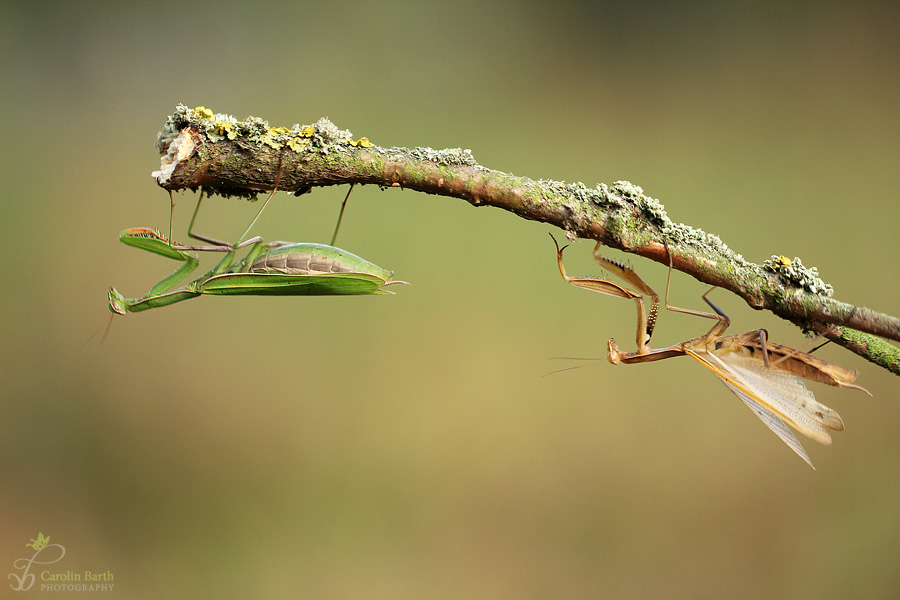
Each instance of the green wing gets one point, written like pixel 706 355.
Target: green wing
pixel 267 284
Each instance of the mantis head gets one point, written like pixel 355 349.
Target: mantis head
pixel 615 355
pixel 117 302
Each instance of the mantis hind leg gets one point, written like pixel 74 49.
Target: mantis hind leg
pixel 341 215
pixel 197 236
pixel 225 246
pixel 266 202
pixel 719 315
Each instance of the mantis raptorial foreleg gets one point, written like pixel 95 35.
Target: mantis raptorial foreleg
pixel 611 288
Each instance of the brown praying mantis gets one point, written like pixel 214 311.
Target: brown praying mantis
pixel 764 375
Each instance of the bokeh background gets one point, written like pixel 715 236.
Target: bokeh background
pixel 411 446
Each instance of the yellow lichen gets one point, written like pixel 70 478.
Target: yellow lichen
pixel 297 144
pixel 204 112
pixel 363 142
pixel 782 262
pixel 226 128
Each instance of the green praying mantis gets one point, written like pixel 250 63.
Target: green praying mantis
pixel 764 375
pixel 268 269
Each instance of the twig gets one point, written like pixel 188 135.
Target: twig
pixel 240 158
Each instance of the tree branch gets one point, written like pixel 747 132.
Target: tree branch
pixel 232 158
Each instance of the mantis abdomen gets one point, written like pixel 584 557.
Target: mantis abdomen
pixel 314 259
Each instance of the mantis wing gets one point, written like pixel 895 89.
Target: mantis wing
pixel 780 392
pixel 266 284
pixel 774 396
pixel 789 397
pixel 772 422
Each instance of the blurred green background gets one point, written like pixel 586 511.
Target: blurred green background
pixel 409 446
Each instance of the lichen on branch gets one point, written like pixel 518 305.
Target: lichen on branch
pixel 228 157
